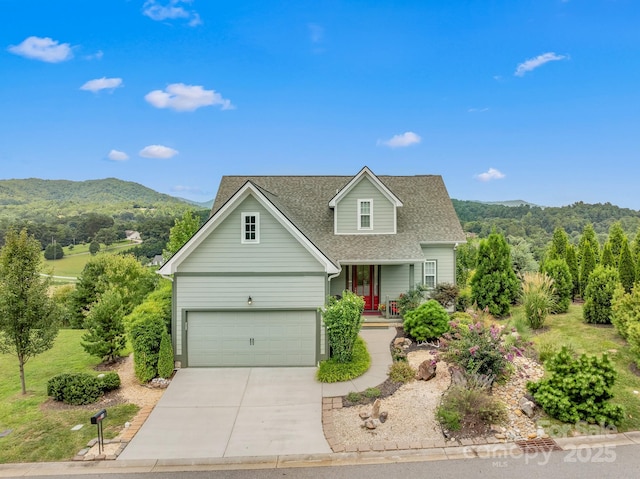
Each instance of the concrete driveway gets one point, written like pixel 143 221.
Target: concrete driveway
pixel 230 412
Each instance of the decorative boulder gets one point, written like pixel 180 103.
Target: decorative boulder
pixel 426 370
pixel 527 406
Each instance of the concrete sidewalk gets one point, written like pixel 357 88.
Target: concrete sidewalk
pixel 378 341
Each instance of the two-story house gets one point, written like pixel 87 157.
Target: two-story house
pixel 248 286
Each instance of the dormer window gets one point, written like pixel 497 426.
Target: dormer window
pixel 365 213
pixel 250 228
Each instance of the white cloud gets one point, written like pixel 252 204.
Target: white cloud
pixel 158 151
pixel 316 33
pixel 44 49
pixel 171 11
pixel 533 63
pixel 102 84
pixel 405 139
pixel 181 97
pixel 116 155
pixel 477 110
pixel 96 56
pixel 491 174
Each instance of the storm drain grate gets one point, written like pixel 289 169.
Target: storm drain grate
pixel 532 446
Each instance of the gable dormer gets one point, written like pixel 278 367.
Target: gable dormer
pixel 365 206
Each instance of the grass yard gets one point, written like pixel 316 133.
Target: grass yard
pixel 569 329
pixel 72 264
pixel 40 434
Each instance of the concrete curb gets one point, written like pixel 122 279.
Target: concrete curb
pixel 312 460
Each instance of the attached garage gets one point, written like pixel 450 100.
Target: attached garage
pixel 251 338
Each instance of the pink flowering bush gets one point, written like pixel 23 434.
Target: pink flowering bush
pixel 478 350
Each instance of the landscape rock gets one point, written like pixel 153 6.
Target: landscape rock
pixel 403 343
pixel 527 406
pixel 370 424
pixel 383 416
pixel 364 415
pixel 426 370
pixel 375 409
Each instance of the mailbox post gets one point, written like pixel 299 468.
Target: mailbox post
pixel 97 420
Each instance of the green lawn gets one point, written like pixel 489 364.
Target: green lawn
pixel 570 329
pixel 40 434
pixel 72 264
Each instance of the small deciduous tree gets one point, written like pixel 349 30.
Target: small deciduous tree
pixel 105 336
pixel 494 285
pixel 343 318
pixel 27 319
pixel 53 251
pixel 182 231
pixel 94 247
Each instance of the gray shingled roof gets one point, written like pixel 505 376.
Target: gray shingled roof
pixel 426 217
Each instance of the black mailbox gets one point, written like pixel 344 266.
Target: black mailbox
pixel 99 416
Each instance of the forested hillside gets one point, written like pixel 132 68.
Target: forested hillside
pixel 35 198
pixel 536 224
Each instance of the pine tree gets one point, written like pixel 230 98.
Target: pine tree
pixel 586 267
pixel 626 267
pixel 588 239
pixel 607 258
pixel 598 295
pixel 494 285
pixel 559 245
pixel 558 270
pixel 572 262
pixel 105 336
pixel 615 239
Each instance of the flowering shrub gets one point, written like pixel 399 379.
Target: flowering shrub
pixel 478 350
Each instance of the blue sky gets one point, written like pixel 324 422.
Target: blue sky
pixel 536 100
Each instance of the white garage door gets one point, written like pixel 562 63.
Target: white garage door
pixel 251 338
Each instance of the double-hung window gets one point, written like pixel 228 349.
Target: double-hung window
pixel 430 270
pixel 250 228
pixel 365 214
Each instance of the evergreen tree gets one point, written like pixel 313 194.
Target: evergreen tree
pixel 587 265
pixel 105 336
pixel 626 267
pixel 53 251
pixel 559 245
pixel 615 240
pixel 494 285
pixel 572 263
pixel 165 357
pixel 27 314
pixel 635 251
pixel 558 270
pixel 590 240
pixel 607 256
pixel 598 295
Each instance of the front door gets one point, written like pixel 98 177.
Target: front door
pixel 365 283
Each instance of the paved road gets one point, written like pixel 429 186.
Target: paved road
pixel 588 463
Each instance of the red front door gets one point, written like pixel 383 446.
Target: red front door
pixel 364 282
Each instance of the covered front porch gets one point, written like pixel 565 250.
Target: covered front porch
pixel 380 285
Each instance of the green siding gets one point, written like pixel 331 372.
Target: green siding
pixel 394 279
pixel 346 210
pixel 277 250
pixel 339 283
pixel 445 262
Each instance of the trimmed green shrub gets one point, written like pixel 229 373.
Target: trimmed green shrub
pixel 401 372
pixel 464 300
pixel 598 295
pixel 343 319
pixel 145 335
pixel 165 357
pixel 633 338
pixel 625 309
pixel 76 389
pixel 428 321
pixel 332 371
pixel 109 381
pixel 578 389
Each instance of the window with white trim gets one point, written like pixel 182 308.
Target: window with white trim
pixel 430 270
pixel 365 214
pixel 250 228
